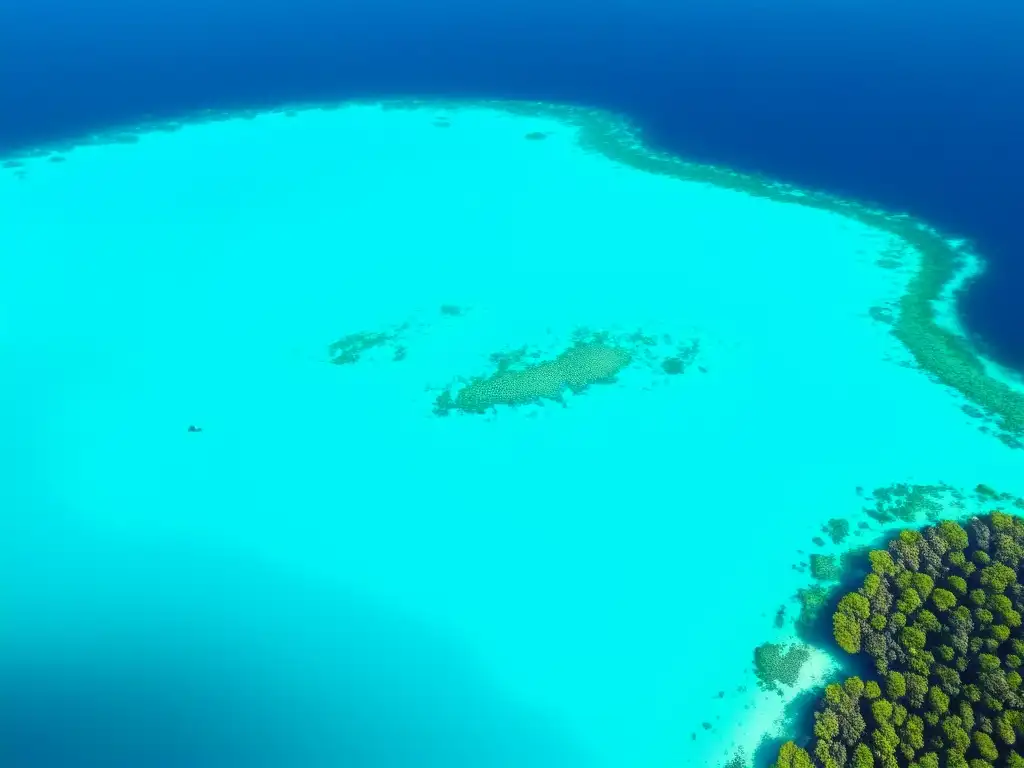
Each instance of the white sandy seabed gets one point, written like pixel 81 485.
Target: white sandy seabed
pixel 536 585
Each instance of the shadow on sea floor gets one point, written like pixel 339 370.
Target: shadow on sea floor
pixel 131 654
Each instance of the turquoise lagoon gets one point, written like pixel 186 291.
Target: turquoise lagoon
pixel 513 431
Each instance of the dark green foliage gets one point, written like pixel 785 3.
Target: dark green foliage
pixel 792 756
pixel 846 623
pixel 940 616
pixel 943 599
pixel 917 687
pixel 923 584
pixel 847 632
pixel 997 577
pixel 895 685
pixel 862 757
pixel 854 605
pixel 957 585
pixel 826 725
pixel 871 584
pixel 912 639
pixel 985 746
pixel 909 601
pixel 954 536
pixel 926 621
pixel 881 562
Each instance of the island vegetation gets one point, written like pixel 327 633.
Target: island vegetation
pixel 936 624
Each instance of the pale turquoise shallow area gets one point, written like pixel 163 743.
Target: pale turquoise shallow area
pixel 358 581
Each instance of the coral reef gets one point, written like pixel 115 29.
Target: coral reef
pixel 575 369
pixel 825 568
pixel 908 503
pixel 776 664
pixel 351 348
pixel 837 529
pixel 524 376
pixel 939 618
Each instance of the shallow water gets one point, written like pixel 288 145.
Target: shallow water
pixel 331 572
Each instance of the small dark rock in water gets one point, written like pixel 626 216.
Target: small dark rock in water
pixel 536 136
pixel 673 366
pixel 706 726
pixel 818 541
pixel 780 617
pixel 194 428
pixel 721 694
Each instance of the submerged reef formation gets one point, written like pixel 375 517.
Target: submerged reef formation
pixel 524 377
pixel 576 369
pixel 776 664
pixel 351 348
pixel 938 617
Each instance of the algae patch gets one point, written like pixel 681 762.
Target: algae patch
pixel 351 348
pixel 575 369
pixel 588 357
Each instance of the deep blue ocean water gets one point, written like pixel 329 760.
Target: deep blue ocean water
pixel 915 106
